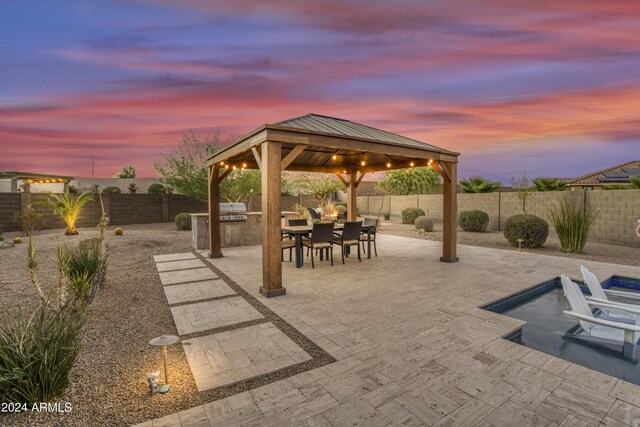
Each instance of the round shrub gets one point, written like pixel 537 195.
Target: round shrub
pixel 17 240
pixel 474 220
pixel 409 215
pixel 424 223
pixel 532 229
pixel 341 209
pixel 183 221
pixel 113 190
pixel 156 189
pixel 118 231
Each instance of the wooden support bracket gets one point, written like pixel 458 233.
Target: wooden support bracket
pixel 444 169
pixel 360 178
pixel 344 181
pixel 291 156
pixel 226 172
pixel 257 156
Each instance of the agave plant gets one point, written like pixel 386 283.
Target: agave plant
pixel 69 208
pixel 548 184
pixel 479 185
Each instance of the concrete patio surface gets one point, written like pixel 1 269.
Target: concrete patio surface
pixel 413 348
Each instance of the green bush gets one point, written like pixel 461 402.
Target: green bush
pixel 341 209
pixel 409 215
pixel 532 229
pixel 112 190
pixel 37 351
pixel 424 223
pixel 29 220
pixel 156 189
pixel 473 220
pixel 84 263
pixel 572 224
pixel 183 221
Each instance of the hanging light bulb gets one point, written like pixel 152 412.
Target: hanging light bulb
pixel 344 171
pixel 388 165
pixel 234 167
pixel 334 157
pixel 412 164
pixel 244 165
pixel 362 163
pixel 221 163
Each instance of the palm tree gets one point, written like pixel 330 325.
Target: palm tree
pixel 548 184
pixel 479 185
pixel 635 182
pixel 69 208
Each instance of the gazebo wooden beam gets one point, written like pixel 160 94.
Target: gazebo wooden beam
pixel 271 250
pixel 214 211
pixel 449 213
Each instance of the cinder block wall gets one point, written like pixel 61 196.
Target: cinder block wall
pixel 9 203
pixel 615 223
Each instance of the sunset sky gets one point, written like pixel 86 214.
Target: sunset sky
pixel 546 88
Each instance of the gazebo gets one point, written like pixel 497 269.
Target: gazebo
pixel 316 143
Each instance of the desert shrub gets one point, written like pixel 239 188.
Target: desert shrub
pixel 183 221
pixel 532 229
pixel 118 231
pixel 156 189
pixel 387 216
pixel 37 351
pixel 132 187
pixel 424 223
pixel 572 224
pixel 17 240
pixel 29 220
pixel 84 264
pixel 73 189
pixel 473 220
pixel 340 209
pixel 409 215
pixel 112 190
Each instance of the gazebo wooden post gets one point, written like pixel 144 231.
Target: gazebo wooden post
pixel 214 212
pixel 271 249
pixel 450 213
pixel 352 200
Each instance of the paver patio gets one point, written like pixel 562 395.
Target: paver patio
pixel 413 348
pixel 212 314
pixel 195 291
pixel 184 276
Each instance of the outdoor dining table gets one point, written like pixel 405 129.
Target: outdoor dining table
pixel 303 230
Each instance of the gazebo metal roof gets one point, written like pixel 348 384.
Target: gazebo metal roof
pixel 318 143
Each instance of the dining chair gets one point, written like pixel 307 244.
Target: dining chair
pixel 290 243
pixel 321 238
pixel 350 237
pixel 364 237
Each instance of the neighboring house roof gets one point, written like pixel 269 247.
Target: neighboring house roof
pixel 342 127
pixel 33 176
pixel 617 174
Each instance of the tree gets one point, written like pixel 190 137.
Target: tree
pixel 185 168
pixel 524 189
pixel 241 184
pixel 418 180
pixel 69 207
pixel 479 185
pixel 321 189
pixel 635 182
pixel 126 172
pixel 548 184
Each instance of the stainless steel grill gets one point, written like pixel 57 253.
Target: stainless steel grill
pixel 233 212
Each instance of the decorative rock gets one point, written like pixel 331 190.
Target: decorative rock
pixel 5 244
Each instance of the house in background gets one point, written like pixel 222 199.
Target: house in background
pixel 28 182
pixel 599 180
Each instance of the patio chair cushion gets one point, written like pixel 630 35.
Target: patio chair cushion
pixel 286 244
pixel 339 241
pixel 307 242
pixel 363 237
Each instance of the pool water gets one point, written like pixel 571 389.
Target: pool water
pixel 541 307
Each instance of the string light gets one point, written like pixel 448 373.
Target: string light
pixel 344 171
pixel 334 157
pixel 412 164
pixel 362 163
pixel 234 168
pixel 244 165
pixel 221 163
pixel 388 165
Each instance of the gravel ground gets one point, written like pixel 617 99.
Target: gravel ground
pixel 108 382
pixel 602 252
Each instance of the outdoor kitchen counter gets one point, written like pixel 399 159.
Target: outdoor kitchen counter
pixel 232 233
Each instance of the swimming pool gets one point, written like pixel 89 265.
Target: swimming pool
pixel 541 307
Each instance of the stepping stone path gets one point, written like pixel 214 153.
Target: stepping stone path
pixel 200 301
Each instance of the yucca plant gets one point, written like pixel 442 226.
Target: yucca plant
pixel 69 208
pixel 37 351
pixel 572 224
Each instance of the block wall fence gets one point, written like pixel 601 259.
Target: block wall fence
pixel 616 222
pixel 122 209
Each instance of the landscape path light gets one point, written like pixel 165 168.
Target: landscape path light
pixel 164 341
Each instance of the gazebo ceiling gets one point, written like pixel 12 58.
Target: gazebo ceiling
pixel 316 143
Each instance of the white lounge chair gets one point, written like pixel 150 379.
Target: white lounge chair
pixel 619 330
pixel 599 294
